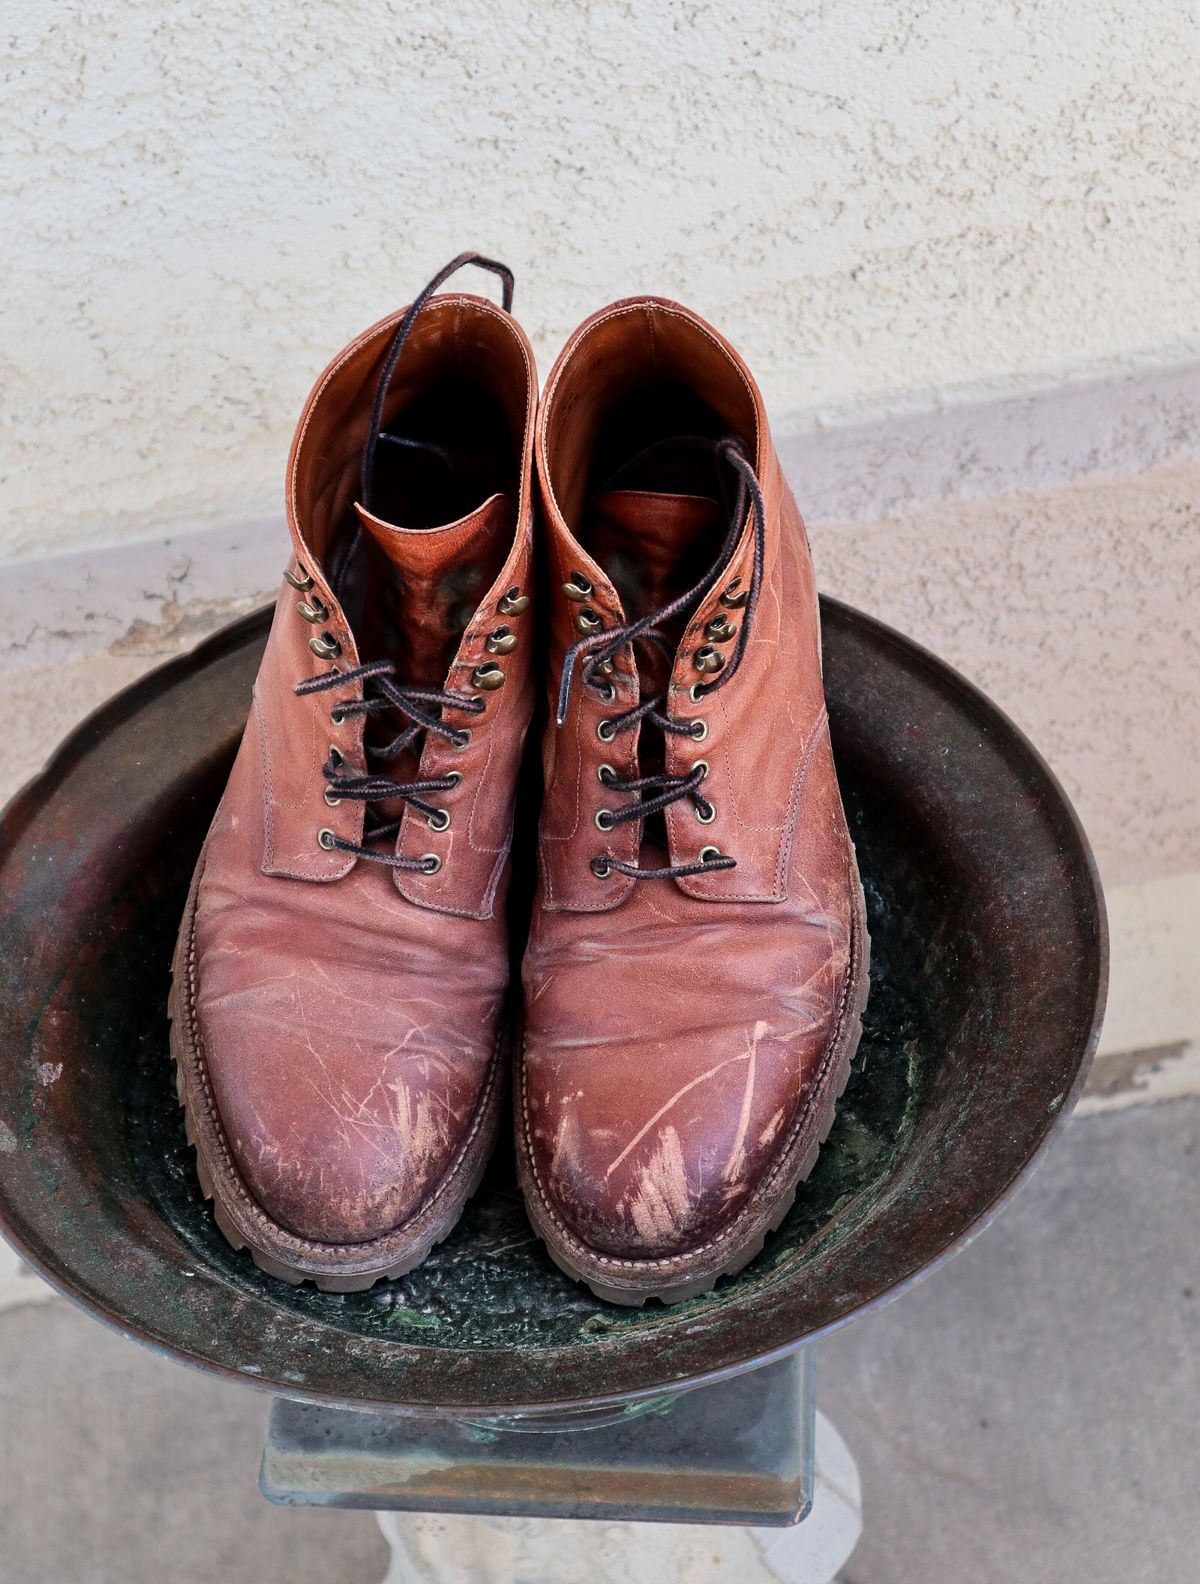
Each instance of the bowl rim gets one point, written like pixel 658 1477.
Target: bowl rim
pixel 734 1360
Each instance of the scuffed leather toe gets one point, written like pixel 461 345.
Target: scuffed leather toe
pixel 649 1124
pixel 343 1108
pixel 339 1139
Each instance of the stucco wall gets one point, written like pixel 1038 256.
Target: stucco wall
pixel 880 201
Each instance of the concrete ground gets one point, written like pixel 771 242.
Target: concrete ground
pixel 1027 1414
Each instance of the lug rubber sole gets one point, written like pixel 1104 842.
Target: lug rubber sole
pixel 333 1267
pixel 632 1282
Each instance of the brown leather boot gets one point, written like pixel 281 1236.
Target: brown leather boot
pixel 697 965
pixel 343 960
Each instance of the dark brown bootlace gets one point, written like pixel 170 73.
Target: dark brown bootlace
pixel 596 650
pixel 416 705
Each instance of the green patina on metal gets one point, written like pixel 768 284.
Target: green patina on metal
pixel 987 971
pixel 491 1284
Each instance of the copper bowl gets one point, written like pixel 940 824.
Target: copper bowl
pixel 988 975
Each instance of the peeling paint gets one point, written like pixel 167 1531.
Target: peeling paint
pixel 182 624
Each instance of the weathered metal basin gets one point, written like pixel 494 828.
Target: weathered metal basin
pixel 988 974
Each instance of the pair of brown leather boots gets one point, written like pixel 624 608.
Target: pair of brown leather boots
pixel 696 964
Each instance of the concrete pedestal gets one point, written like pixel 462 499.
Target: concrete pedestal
pixel 434 1549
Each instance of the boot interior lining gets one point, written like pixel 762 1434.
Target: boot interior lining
pixel 644 443
pixel 453 449
pixel 462 384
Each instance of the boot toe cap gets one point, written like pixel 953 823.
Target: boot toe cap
pixel 660 1171
pixel 341 1135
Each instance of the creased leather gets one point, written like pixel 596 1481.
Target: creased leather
pixel 676 1028
pixel 348 1027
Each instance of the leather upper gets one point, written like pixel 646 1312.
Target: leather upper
pixel 677 1028
pixel 349 1012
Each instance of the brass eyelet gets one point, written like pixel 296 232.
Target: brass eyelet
pixel 699 730
pixel 708 659
pixel 578 588
pixel 313 611
pixel 326 838
pixel 430 863
pixel 587 622
pixel 601 868
pixel 705 819
pixel 454 777
pixel 300 579
pixel 734 597
pixel 463 739
pixel 720 630
pixel 439 820
pixel 701 764
pixel 488 676
pixel 600 773
pixel 707 854
pixel 331 797
pixel 514 603
pixel 606 691
pixel 604 730
pixel 336 754
pixel 326 647
pixel 337 717
pixel 604 819
pixel 501 641
pixel 696 693
pixel 603 668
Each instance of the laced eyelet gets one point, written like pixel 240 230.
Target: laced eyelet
pixel 331 797
pixel 439 820
pixel 336 754
pixel 337 717
pixel 578 588
pixel 326 838
pixel 601 868
pixel 501 641
pixel 430 863
pixel 463 738
pixel 300 579
pixel 454 777
pixel 514 603
pixel 605 731
pixel 326 647
pixel 701 764
pixel 605 819
pixel 602 771
pixel 696 693
pixel 313 611
pixel 705 818
pixel 607 691
pixel 707 854
pixel 488 676
pixel 698 730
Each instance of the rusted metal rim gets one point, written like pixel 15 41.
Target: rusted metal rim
pixel 991 969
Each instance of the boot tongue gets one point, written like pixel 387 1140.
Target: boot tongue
pixel 653 546
pixel 424 585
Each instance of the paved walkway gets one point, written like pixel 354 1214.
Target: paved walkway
pixel 1029 1415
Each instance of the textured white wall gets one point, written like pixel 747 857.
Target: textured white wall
pixel 876 199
